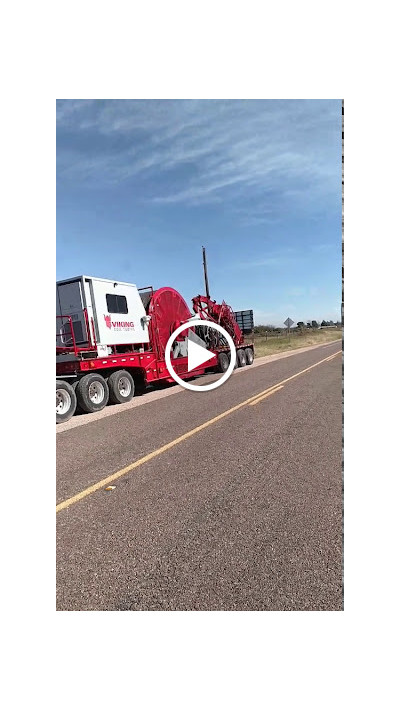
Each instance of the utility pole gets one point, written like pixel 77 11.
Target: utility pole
pixel 205 273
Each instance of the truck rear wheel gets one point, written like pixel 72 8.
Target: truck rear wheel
pixel 223 362
pixel 121 386
pixel 92 392
pixel 65 401
pixel 249 355
pixel 241 358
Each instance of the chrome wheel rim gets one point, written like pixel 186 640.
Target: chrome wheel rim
pixel 124 386
pixel 96 392
pixel 63 402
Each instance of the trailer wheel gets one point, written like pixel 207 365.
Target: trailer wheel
pixel 223 362
pixel 92 392
pixel 121 386
pixel 65 401
pixel 249 355
pixel 241 358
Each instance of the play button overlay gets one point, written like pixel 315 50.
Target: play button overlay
pixel 198 355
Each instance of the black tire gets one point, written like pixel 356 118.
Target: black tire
pixel 223 362
pixel 241 358
pixel 140 384
pixel 78 410
pixel 121 386
pixel 249 353
pixel 92 393
pixel 65 401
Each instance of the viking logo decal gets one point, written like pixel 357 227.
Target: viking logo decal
pixel 107 319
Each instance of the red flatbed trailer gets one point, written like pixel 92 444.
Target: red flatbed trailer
pixel 88 380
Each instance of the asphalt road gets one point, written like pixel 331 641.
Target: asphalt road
pixel 243 514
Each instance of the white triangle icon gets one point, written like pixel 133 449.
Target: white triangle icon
pixel 197 355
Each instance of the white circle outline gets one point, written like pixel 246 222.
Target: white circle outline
pixel 184 383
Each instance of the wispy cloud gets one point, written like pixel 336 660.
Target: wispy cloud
pixel 263 262
pixel 297 291
pixel 309 291
pixel 324 247
pixel 274 259
pixel 204 151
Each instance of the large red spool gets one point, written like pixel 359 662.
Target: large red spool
pixel 168 310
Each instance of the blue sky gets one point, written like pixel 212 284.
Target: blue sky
pixel 143 184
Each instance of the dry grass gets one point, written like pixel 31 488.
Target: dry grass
pixel 263 347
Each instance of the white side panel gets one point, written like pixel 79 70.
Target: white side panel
pixel 118 312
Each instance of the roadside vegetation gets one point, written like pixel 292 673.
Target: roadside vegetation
pixel 269 343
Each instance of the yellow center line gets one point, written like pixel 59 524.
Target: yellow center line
pixel 275 390
pixel 333 356
pixel 104 482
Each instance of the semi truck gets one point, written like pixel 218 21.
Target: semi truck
pixel 111 338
